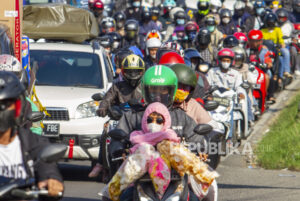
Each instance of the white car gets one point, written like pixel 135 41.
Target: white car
pixel 67 76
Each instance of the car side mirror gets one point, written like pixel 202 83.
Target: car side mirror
pixel 245 85
pixel 211 105
pixel 36 116
pixel 98 96
pixel 117 134
pixel 203 129
pixel 53 152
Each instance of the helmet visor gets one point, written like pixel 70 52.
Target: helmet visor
pixel 133 74
pixel 162 94
pixel 130 34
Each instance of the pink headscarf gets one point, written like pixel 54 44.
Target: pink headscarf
pixel 145 136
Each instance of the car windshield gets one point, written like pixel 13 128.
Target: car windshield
pixel 63 68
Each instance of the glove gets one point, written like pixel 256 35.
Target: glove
pixel 101 112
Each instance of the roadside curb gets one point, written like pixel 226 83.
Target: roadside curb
pixel 261 127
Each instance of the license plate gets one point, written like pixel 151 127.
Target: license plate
pixel 222 101
pixel 51 130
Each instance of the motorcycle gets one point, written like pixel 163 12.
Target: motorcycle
pixel 231 113
pixel 143 189
pixel 26 189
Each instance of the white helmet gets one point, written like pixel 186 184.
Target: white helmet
pixel 12 64
pixel 152 43
pixel 175 10
pixel 216 3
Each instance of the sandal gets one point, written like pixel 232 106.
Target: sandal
pixel 271 100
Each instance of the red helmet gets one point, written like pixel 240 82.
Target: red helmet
pixel 191 26
pixel 242 38
pixel 226 53
pixel 255 35
pixel 98 4
pixel 171 58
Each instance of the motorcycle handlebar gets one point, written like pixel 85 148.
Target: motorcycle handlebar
pixel 34 194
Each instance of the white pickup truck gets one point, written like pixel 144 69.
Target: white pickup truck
pixel 68 75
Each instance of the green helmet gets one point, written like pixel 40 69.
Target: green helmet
pixel 159 84
pixel 186 77
pixel 203 7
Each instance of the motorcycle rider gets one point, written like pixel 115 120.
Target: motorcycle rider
pixel 19 146
pixel 203 10
pixel 191 29
pixel 120 19
pixel 259 53
pixel 159 84
pixel 204 47
pixel 146 25
pixel 227 26
pixel 296 10
pixel 116 41
pixel 133 68
pixel 134 11
pixel 215 6
pixel 165 19
pixel 131 38
pixel 230 42
pixel 255 21
pixel 97 9
pixel 107 25
pixel 240 15
pixel 179 33
pixel 215 34
pixel 155 13
pixel 152 46
pixel 273 32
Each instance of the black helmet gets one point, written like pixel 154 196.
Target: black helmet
pixel 120 19
pixel 105 41
pixel 282 15
pixel 180 17
pixel 131 28
pixel 225 12
pixel 108 24
pixel 10 86
pixel 146 14
pixel 230 42
pixel 203 37
pixel 270 20
pixel 116 40
pixel 186 76
pixel 296 6
pixel 121 55
pixel 155 11
pixel 210 20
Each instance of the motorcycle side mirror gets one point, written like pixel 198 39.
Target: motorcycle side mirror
pixel 53 152
pixel 36 116
pixel 245 85
pixel 117 134
pixel 211 105
pixel 98 96
pixel 115 113
pixel 203 129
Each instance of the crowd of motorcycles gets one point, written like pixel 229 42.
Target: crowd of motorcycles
pixel 224 105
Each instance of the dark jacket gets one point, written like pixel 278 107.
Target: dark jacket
pixel 32 145
pixel 120 92
pixel 228 29
pixel 148 62
pixel 131 13
pixel 182 124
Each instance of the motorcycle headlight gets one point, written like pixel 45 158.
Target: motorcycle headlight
pixel 86 110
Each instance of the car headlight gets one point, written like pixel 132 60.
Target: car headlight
pixel 86 110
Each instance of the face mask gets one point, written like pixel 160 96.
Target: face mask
pixel 7 120
pixel 225 65
pixel 181 95
pixel 153 56
pixel 136 4
pixel 120 25
pixel 153 127
pixel 226 20
pixel 116 45
pixel 211 28
pixel 214 10
pixel 241 45
pixel 259 11
pixel 180 21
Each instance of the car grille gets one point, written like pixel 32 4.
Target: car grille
pixel 57 114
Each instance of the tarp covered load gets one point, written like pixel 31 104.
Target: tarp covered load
pixel 59 22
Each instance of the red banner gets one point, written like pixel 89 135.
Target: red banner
pixel 17 32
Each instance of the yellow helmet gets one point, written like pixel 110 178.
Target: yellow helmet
pixel 133 68
pixel 275 5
